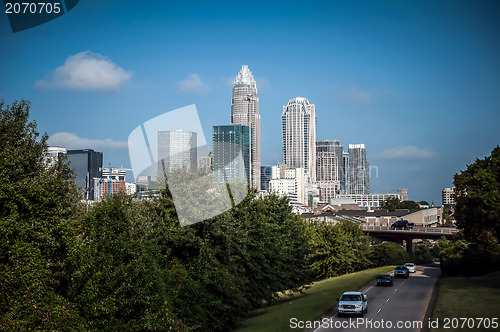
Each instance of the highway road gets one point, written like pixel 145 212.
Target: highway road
pixel 401 307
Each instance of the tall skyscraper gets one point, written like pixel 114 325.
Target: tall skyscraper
pixel 298 123
pixel 229 143
pixel 359 170
pixel 87 165
pixel 329 161
pixel 176 149
pixel 245 111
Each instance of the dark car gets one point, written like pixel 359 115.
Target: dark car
pixel 402 224
pixel 401 271
pixel 384 280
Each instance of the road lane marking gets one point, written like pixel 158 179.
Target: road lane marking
pixel 396 289
pixel 387 300
pixel 328 319
pixel 366 291
pixel 379 310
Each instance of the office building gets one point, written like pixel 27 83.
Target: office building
pixel 369 201
pixel 53 154
pixel 359 170
pixel 177 149
pixel 292 183
pixel 298 123
pixel 266 174
pixel 329 169
pixel 205 162
pixel 404 193
pixel 87 165
pixel 327 189
pixel 447 195
pixel 231 153
pixel 329 158
pixel 344 183
pixel 245 111
pixel 111 182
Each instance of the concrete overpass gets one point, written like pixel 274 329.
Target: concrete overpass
pixel 385 233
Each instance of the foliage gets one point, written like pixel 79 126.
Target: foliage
pixel 477 209
pixel 119 278
pixel 36 232
pixel 387 253
pixel 422 254
pixel 392 204
pixel 338 249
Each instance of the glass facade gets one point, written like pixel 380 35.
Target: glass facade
pixel 176 150
pixel 87 165
pixel 231 153
pixel 359 170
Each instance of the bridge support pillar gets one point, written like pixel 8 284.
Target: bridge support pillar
pixel 409 247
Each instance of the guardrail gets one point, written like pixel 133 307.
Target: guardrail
pixel 435 230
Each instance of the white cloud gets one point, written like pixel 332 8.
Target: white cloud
pixel 73 141
pixel 86 71
pixel 354 95
pixel 262 84
pixel 410 152
pixel 193 84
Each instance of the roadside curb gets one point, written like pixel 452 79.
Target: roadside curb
pixel 431 305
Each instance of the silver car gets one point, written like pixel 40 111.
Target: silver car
pixel 411 267
pixel 353 303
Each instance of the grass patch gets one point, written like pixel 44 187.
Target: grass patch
pixel 317 300
pixel 460 297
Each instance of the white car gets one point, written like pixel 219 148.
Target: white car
pixel 352 303
pixel 411 267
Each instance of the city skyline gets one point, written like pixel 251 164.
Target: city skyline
pixel 417 83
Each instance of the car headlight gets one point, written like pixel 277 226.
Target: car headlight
pixel 358 306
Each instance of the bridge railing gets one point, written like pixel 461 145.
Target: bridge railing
pixel 436 230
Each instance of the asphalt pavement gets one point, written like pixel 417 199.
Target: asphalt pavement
pixel 400 307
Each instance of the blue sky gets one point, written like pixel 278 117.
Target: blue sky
pixel 418 82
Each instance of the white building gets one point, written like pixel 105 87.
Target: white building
pixel 370 201
pixel 327 190
pixel 245 111
pixel 205 162
pixel 298 123
pixel 292 183
pixel 130 188
pixel 447 196
pixel 53 154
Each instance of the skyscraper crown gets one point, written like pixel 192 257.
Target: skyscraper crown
pixel 244 76
pixel 298 100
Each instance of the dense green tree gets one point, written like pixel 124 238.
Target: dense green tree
pixel 119 279
pixel 392 204
pixel 37 203
pixel 477 209
pixel 422 254
pixel 277 247
pixel 338 249
pixel 387 253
